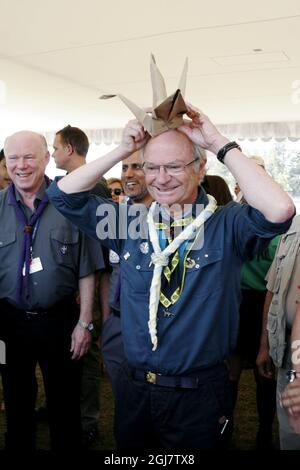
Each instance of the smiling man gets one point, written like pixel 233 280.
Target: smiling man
pixel 44 261
pixel 177 182
pixel 179 297
pixel 133 179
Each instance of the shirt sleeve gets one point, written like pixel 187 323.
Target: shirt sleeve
pixel 252 231
pixel 96 216
pixel 91 257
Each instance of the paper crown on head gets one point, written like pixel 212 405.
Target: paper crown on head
pixel 167 110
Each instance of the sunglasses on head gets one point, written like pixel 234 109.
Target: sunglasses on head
pixel 116 191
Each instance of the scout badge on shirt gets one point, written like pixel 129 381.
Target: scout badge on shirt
pixel 114 258
pixel 64 250
pixel 190 263
pixel 144 247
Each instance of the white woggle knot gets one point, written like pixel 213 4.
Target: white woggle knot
pixel 159 259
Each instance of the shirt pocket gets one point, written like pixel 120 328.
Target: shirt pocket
pixel 8 252
pixel 136 273
pixel 205 266
pixel 65 246
pixel 272 323
pixel 7 238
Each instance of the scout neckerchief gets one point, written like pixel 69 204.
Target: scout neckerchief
pixel 161 258
pixel 29 229
pixel 169 295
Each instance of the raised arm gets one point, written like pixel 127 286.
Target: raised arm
pixel 85 177
pixel 259 189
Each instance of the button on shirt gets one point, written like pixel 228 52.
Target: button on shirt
pixel 200 329
pixel 65 253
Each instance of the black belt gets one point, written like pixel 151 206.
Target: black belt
pixel 38 312
pixel 173 381
pixel 180 381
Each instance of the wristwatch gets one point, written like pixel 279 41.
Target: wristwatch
pixel 222 152
pixel 291 375
pixel 87 326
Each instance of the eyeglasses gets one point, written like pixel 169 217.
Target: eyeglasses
pixel 172 168
pixel 116 191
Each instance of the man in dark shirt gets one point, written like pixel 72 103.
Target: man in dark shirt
pixel 134 184
pixel 70 151
pixel 44 261
pixel 180 291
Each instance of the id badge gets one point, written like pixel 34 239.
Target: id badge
pixel 35 266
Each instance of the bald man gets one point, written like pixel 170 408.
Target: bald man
pixel 44 261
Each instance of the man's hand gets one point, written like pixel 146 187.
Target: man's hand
pixel 265 364
pixel 202 131
pixel 134 137
pixel 80 342
pixel 290 399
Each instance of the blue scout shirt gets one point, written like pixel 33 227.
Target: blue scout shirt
pixel 200 329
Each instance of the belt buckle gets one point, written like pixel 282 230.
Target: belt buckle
pixel 151 377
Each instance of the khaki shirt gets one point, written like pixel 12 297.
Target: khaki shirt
pixel 283 280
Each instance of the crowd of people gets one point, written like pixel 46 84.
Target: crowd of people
pixel 189 285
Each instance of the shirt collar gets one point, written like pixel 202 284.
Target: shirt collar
pixel 201 199
pixel 38 197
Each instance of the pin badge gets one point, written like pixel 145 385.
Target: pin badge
pixel 190 263
pixel 168 314
pixel 64 249
pixel 113 257
pixel 144 247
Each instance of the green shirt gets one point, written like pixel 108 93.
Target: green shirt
pixel 255 271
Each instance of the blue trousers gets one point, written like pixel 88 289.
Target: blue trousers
pixel 154 417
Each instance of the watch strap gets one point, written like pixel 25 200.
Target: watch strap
pixel 87 326
pixel 222 152
pixel 291 375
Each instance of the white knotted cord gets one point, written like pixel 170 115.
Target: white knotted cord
pixel 161 258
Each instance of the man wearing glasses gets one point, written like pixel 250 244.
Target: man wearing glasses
pixel 133 180
pixel 180 281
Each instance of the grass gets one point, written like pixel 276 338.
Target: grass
pixel 245 418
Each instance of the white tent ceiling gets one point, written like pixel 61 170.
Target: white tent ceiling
pixel 58 56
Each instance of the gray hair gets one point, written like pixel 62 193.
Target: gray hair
pixel 199 153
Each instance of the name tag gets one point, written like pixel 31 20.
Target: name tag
pixel 35 266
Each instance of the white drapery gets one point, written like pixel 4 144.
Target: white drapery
pixel 250 131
